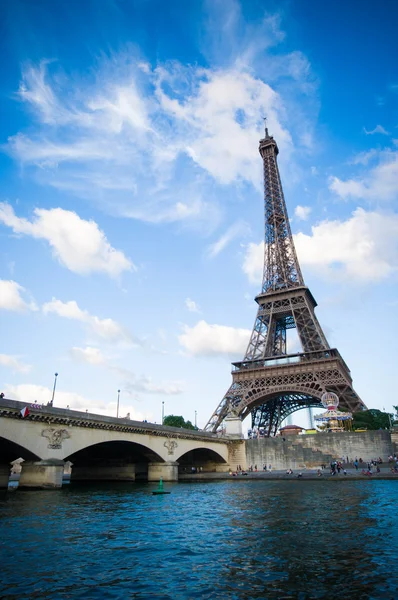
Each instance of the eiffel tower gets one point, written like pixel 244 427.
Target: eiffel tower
pixel 271 383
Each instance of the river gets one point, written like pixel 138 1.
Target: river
pixel 209 540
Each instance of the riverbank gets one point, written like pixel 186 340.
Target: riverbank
pixel 306 474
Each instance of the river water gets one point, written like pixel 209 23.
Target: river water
pixel 218 540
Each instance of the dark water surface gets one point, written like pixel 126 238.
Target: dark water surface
pixel 219 540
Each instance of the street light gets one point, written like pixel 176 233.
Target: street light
pixel 389 418
pixel 55 384
pixel 118 398
pixel 162 411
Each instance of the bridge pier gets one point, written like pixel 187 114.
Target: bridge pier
pixel 168 471
pixel 4 476
pixel 107 471
pixel 45 474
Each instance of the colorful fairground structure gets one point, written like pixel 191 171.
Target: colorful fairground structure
pixel 333 419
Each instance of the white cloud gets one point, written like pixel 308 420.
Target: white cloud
pixel 13 363
pixel 253 262
pixel 79 245
pixel 106 329
pixel 209 340
pixel 237 229
pixel 123 129
pixel 31 393
pixel 220 123
pixel 378 183
pixel 302 212
pixel 314 171
pixel 362 249
pixel 377 129
pixel 192 306
pixel 11 297
pixel 90 355
pixel 146 385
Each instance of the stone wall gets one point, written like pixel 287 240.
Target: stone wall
pixel 311 451
pixel 394 439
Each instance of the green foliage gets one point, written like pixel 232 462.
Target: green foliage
pixel 177 421
pixel 371 419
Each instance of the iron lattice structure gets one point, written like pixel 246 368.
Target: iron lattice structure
pixel 270 383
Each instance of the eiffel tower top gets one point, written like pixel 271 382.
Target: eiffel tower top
pixel 281 267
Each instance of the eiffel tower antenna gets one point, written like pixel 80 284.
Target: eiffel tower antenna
pixel 271 383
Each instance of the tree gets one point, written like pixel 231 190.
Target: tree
pixel 177 421
pixel 371 419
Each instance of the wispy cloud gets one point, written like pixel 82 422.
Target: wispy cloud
pixel 105 329
pixel 377 129
pixel 14 364
pixel 375 184
pixel 192 306
pixel 129 381
pixel 237 229
pixel 126 127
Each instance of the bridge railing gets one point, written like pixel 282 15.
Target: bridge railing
pixel 36 411
pixel 299 357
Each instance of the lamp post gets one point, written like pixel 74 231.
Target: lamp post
pixel 196 414
pixel 55 385
pixel 162 411
pixel 389 418
pixel 118 398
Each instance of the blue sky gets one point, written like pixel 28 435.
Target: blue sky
pixel 131 205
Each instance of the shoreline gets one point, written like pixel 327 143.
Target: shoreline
pixel 307 475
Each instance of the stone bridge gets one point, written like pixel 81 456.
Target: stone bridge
pixel 102 448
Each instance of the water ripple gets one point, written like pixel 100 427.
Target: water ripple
pixel 205 540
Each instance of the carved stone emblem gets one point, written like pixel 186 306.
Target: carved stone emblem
pixel 171 445
pixel 55 437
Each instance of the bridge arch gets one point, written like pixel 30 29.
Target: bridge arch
pixel 201 459
pixel 201 453
pixel 119 449
pixel 11 450
pixel 302 396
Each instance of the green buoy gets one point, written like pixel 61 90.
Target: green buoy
pixel 160 489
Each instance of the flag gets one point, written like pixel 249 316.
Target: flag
pixel 24 412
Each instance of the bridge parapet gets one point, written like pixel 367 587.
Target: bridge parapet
pixel 63 416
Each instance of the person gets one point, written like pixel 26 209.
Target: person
pixel 255 468
pixel 344 471
pixel 299 475
pixel 269 468
pixel 319 473
pixel 264 467
pixel 356 464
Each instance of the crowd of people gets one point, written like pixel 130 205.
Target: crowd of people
pixel 336 467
